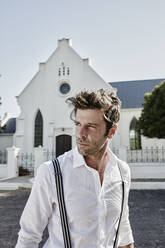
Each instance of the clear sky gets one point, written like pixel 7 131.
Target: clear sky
pixel 125 39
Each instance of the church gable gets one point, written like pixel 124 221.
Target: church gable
pixel 64 65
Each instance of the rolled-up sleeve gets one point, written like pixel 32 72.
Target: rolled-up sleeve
pixel 125 234
pixel 37 211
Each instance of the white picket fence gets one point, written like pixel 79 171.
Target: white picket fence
pixel 146 155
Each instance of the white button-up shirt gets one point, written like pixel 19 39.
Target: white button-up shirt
pixel 93 209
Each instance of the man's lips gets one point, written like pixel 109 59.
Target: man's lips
pixel 82 144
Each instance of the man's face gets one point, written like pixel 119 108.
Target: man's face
pixel 90 131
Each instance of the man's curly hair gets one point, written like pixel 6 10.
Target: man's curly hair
pixel 100 99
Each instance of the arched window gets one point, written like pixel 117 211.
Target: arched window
pixel 38 131
pixel 134 135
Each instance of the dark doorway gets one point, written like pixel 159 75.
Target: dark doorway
pixel 63 144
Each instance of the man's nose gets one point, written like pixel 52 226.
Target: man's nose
pixel 82 132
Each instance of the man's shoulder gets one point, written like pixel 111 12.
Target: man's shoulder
pixel 47 167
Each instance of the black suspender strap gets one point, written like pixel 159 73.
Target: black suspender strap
pixel 61 202
pixel 122 208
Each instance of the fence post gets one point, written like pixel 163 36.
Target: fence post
pixel 39 157
pixel 12 166
pixel 123 153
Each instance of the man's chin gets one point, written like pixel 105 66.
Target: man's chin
pixel 82 151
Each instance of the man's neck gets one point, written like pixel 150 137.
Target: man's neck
pixel 99 160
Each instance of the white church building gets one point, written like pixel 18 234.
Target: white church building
pixel 44 118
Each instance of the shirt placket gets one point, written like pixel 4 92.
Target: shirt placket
pixel 101 208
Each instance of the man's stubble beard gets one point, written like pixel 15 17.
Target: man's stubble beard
pixel 83 151
pixel 87 151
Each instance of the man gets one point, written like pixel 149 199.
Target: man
pixel 92 183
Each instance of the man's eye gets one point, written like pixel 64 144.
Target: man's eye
pixel 93 127
pixel 77 124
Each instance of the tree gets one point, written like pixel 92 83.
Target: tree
pixel 152 119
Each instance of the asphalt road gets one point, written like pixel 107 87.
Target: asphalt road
pixel 147 217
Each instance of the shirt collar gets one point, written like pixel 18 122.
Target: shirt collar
pixel 113 158
pixel 78 159
pixel 112 162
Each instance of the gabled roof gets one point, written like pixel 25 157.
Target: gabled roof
pixel 9 127
pixel 131 93
pixel 63 44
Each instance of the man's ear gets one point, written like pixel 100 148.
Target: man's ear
pixel 112 131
